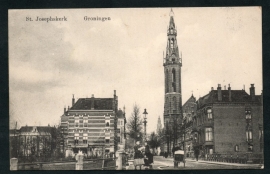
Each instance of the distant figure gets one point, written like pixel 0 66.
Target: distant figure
pixel 165 154
pixel 196 153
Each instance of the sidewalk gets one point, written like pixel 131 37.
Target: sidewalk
pixel 224 163
pixel 221 163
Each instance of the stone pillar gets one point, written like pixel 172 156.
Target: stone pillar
pixel 119 160
pixel 13 164
pixel 79 164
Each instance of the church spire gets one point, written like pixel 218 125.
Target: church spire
pixel 171 24
pixel 172 52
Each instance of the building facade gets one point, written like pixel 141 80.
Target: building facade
pixel 229 122
pixel 36 141
pixel 173 97
pixel 90 125
pixel 121 122
pixel 189 110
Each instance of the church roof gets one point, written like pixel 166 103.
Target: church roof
pixel 98 103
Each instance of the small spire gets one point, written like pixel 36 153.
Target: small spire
pixel 171 12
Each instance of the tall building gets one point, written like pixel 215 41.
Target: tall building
pixel 229 122
pixel 159 126
pixel 173 95
pixel 90 125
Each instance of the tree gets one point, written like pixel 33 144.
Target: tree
pixel 134 124
pixel 155 141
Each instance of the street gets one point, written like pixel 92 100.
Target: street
pixel 161 163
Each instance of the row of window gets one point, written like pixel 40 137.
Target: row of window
pixel 107 141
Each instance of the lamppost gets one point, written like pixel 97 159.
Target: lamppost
pixel 145 113
pixel 184 122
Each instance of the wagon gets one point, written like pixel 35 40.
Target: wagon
pixel 179 156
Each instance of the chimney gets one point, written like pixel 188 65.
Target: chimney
pixel 73 100
pixel 212 88
pixel 225 87
pixel 65 110
pixel 230 93
pixel 252 92
pixel 92 102
pixel 114 92
pixel 68 108
pixel 219 92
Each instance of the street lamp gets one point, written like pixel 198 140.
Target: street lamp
pixel 145 113
pixel 184 122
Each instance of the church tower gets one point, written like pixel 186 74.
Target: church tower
pixel 172 70
pixel 159 126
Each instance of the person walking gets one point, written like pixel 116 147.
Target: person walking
pixel 149 157
pixel 196 153
pixel 138 156
pixel 173 150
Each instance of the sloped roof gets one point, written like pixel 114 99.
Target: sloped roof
pixel 40 129
pixel 236 96
pixel 99 104
pixel 191 99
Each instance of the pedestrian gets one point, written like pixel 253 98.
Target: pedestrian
pixel 148 155
pixel 138 156
pixel 137 150
pixel 166 155
pixel 196 153
pixel 173 150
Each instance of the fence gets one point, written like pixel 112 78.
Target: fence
pixel 242 158
pixel 87 164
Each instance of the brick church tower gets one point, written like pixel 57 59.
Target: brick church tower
pixel 172 71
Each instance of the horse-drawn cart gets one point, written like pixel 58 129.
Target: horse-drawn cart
pixel 179 156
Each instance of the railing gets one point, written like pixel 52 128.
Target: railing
pixel 241 158
pixel 88 164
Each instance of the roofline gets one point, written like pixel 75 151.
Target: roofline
pixel 90 110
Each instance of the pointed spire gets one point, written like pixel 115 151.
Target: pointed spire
pixel 171 25
pixel 171 12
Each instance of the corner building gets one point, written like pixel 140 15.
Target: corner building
pixel 229 122
pixel 172 71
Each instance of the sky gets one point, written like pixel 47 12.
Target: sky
pixel 50 61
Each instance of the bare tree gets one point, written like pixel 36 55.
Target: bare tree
pixel 134 124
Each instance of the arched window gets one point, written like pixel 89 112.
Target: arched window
pixel 236 148
pixel 174 104
pixel 167 81
pixel 172 43
pixel 173 80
